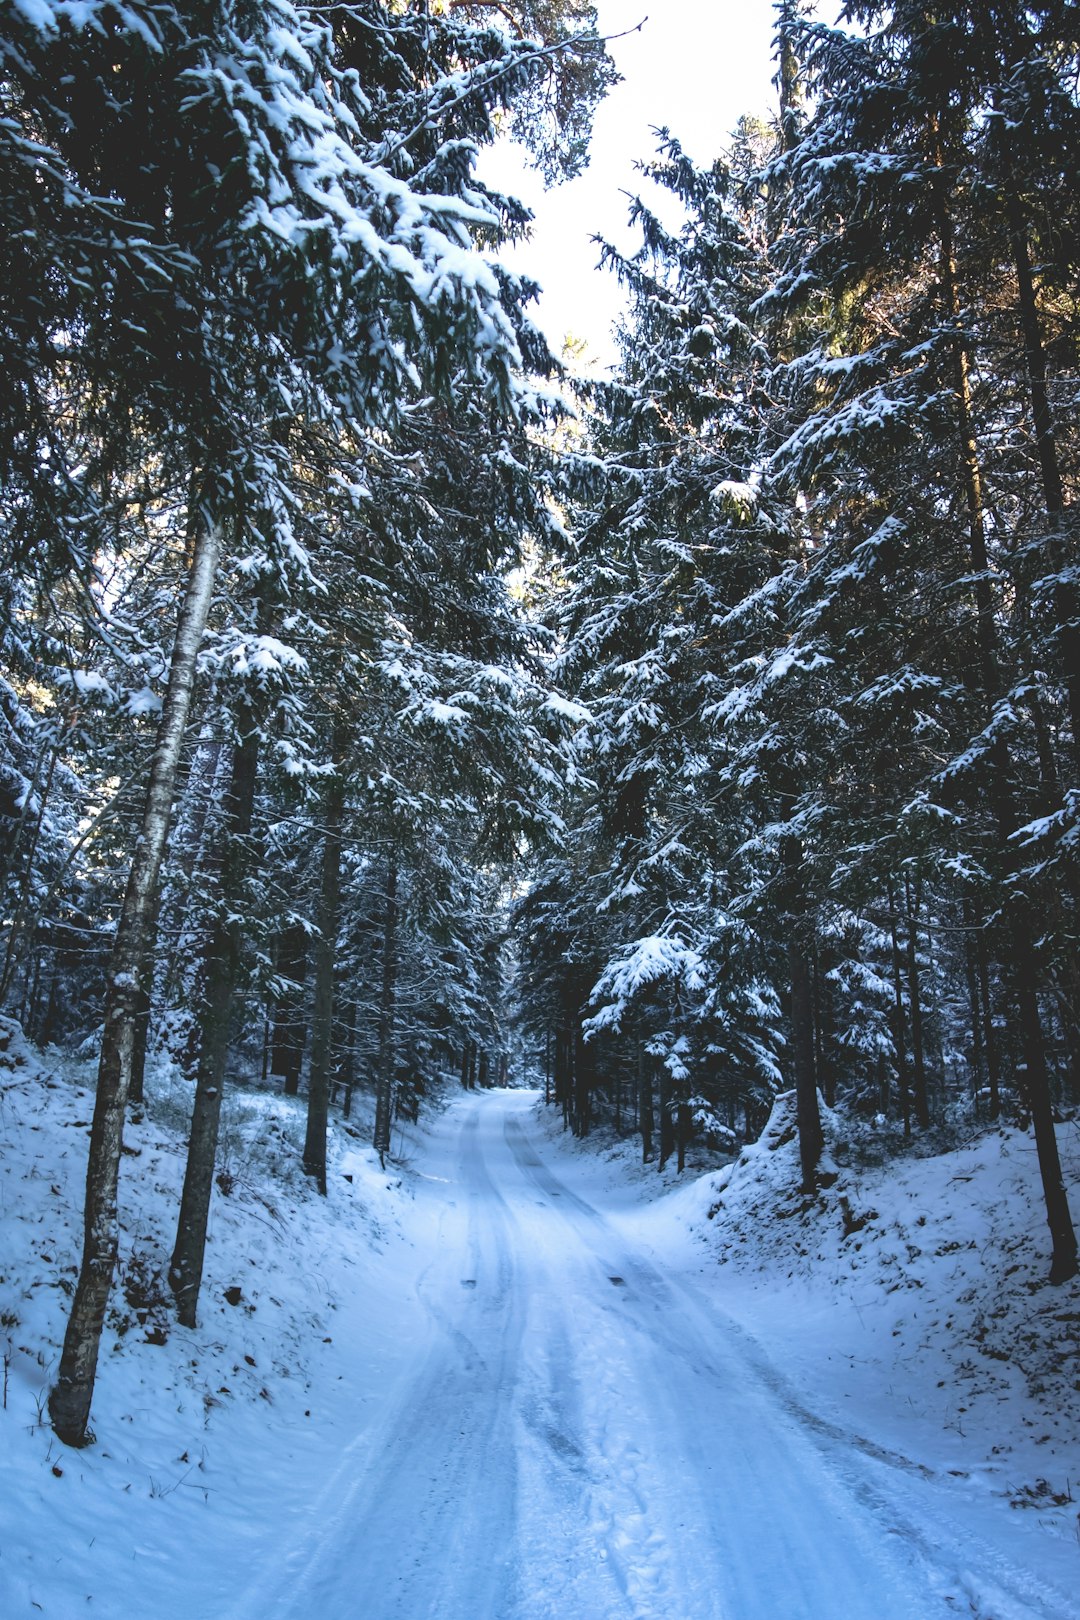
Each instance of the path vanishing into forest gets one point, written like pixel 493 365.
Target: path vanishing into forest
pixel 575 1435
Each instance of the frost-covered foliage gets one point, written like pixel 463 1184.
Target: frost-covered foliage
pixel 823 609
pixel 252 293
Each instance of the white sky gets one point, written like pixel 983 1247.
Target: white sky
pixel 695 66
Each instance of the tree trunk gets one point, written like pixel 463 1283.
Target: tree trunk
pixel 322 1018
pixel 140 1046
pixel 667 1124
pixel 975 1011
pixel 582 1078
pixel 217 979
pixel 384 1078
pixel 1063 1264
pixel 645 1106
pixel 808 1114
pixel 347 1066
pixel 918 1053
pixel 69 1401
pixel 993 1051
pixel 289 1031
pixel 824 1068
pixel 682 1130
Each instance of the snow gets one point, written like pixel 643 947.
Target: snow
pixel 510 1378
pixel 445 714
pixel 577 713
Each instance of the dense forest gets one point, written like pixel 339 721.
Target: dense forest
pixel 386 705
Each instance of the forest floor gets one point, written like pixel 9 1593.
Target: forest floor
pixel 510 1379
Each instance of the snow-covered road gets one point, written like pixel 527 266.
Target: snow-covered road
pixel 575 1432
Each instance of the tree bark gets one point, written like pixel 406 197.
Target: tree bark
pixel 1063 1263
pixel 683 1125
pixel 347 1066
pixel 322 1019
pixel 217 979
pixel 918 1052
pixel 645 1106
pixel 289 1033
pixel 384 1078
pixel 582 1078
pixel 667 1124
pixel 993 1056
pixel 69 1401
pixel 808 1114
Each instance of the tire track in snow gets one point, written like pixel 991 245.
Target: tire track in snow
pixel 959 1573
pixel 581 1437
pixel 628 1528
pixel 418 1520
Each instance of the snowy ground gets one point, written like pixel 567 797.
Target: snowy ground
pixel 509 1382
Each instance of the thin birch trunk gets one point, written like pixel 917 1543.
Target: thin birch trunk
pixel 70 1398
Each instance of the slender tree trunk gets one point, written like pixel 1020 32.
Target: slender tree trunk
pixel 322 1020
pixel 825 1071
pixel 348 1062
pixel 899 1041
pixel 137 1088
pixel 217 980
pixel 384 1081
pixel 667 1123
pixel 975 1011
pixel 808 1114
pixel 1063 1263
pixel 993 1054
pixel 198 798
pixel 918 1054
pixel 69 1401
pixel 264 1069
pixel 289 1031
pixel 645 1106
pixel 682 1128
pixel 582 1079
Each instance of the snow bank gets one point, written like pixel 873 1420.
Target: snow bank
pixel 906 1300
pixel 205 1438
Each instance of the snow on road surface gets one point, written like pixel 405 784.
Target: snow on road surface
pixel 574 1431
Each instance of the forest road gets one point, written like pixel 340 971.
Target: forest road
pixel 580 1437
